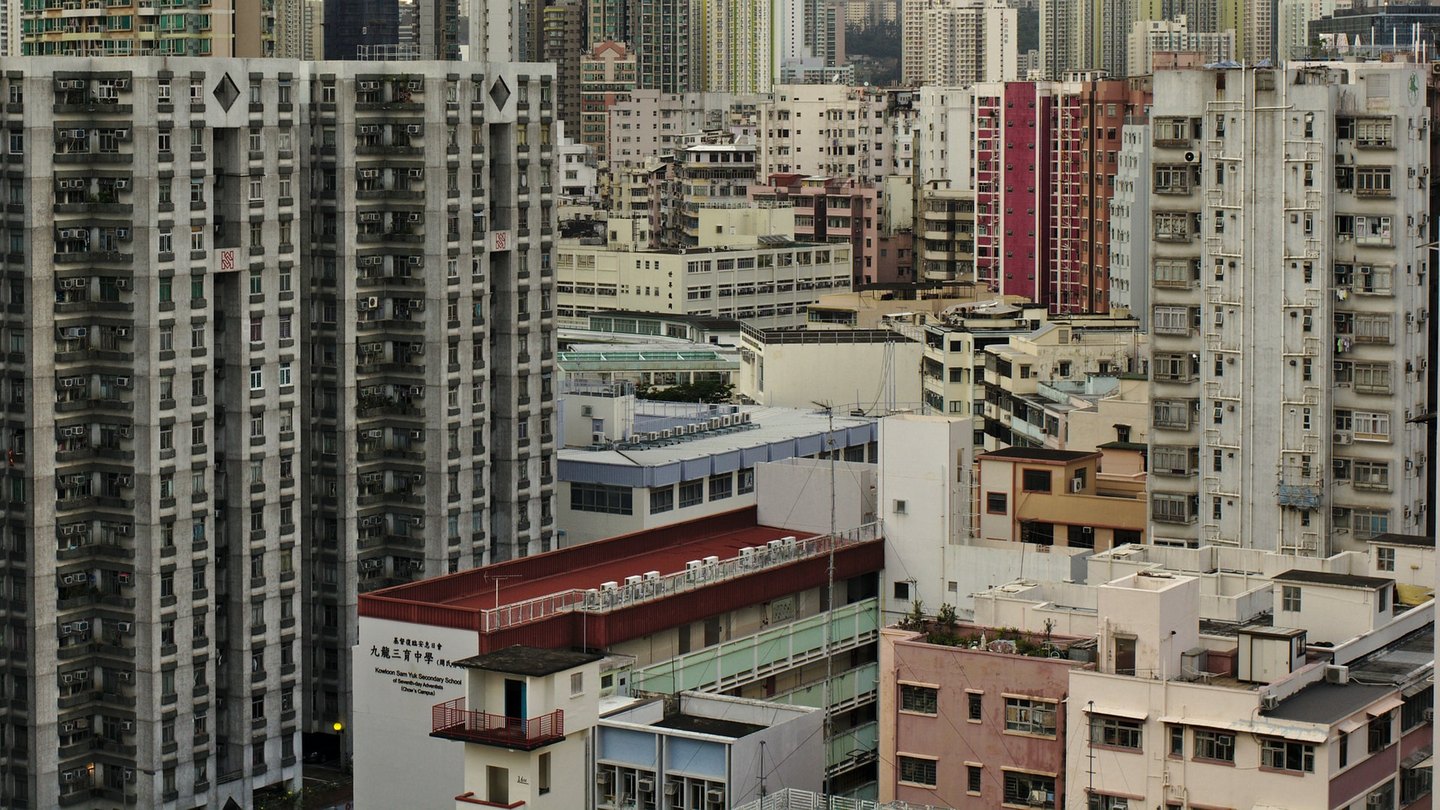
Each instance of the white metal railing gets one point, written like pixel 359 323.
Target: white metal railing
pixel 706 573
pixel 795 799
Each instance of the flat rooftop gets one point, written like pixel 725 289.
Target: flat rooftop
pixel 1328 578
pixel 1421 540
pixel 590 564
pixel 530 661
pixel 1039 454
pixel 768 426
pixel 709 725
pixel 1327 702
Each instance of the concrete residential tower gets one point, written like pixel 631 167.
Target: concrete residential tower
pixel 203 255
pixel 1288 293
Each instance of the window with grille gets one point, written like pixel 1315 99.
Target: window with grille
pixel 919 699
pixel 1116 732
pixel 1284 755
pixel 1214 745
pixel 917 771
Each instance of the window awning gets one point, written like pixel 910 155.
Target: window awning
pixel 1347 726
pixel 1385 706
pixel 1111 711
pixel 1422 758
pixel 1299 733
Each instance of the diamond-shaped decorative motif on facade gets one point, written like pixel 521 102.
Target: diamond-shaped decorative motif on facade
pixel 226 93
pixel 499 92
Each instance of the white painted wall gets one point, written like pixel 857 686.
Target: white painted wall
pixel 397 763
pixel 795 494
pixel 845 375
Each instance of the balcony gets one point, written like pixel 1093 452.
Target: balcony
pixel 451 721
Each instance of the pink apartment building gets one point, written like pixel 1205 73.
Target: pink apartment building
pixel 830 209
pixel 973 727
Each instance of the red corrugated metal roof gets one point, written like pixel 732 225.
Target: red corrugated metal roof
pixel 586 566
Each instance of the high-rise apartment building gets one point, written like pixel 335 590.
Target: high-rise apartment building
pixel 607 21
pixel 152 397
pixel 563 42
pixel 607 76
pixel 10 30
pixel 438 29
pixel 353 28
pixel 1290 219
pixel 203 255
pixel 430 347
pixel 667 42
pixel 126 28
pixel 952 42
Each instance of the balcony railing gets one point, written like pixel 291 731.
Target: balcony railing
pixel 452 721
pixel 755 657
pixel 626 596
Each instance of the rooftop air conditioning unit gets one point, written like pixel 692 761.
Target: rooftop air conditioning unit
pixel 694 571
pixel 635 580
pixel 748 556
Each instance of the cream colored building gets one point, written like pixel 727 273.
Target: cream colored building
pixel 954 42
pixel 747 266
pixel 1247 717
pixel 826 130
pixel 871 371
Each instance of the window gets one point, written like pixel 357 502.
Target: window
pixel 1029 716
pixel 917 771
pixel 1177 741
pixel 972 779
pixel 1116 732
pixel 919 699
pixel 1171 320
pixel 997 503
pixel 577 683
pixel 1372 475
pixel 1380 732
pixel 692 493
pixel 285 378
pixel 543 779
pixel 1283 755
pixel 1035 480
pixel 603 498
pixel 257 378
pixel 1172 413
pixel 902 591
pixel 1290 598
pixel 974 702
pixel 1029 790
pixel 1384 559
pixel 662 499
pixel 746 478
pixel 1214 745
pixel 1367 523
pixel 1171 507
pixel 721 486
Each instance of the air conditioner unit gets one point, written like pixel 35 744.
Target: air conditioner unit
pixel 121 184
pixel 67 678
pixel 645 784
pixel 129 772
pixel 123 577
pixel 694 571
pixel 415 261
pixel 82 626
pixel 634 580
pixel 1337 674
pixel 122 382
pixel 122 332
pixel 372 302
pixel 1269 702
pixel 609 587
pixel 715 795
pixel 597 438
pixel 417 434
pixel 126 676
pixel 414 218
pixel 415 129
pixel 66 629
pixel 368 85
pixel 712 561
pixel 1343 437
pixel 1077 485
pixel 124 627
pixel 748 556
pixel 672 788
pixel 82 676
pixel 417 174
pixel 592 598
